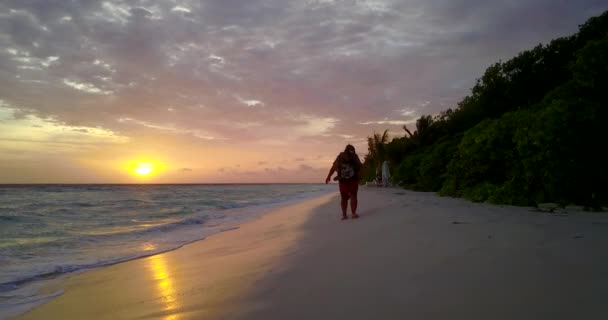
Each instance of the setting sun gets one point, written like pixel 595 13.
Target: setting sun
pixel 143 169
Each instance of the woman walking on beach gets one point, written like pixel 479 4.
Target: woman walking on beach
pixel 348 165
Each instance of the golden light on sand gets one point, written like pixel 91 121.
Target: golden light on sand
pixel 166 289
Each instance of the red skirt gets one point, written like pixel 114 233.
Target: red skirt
pixel 349 187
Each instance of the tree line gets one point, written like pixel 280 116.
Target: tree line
pixel 532 130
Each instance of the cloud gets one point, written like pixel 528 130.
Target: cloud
pixel 86 87
pixel 305 167
pixel 312 125
pixel 270 74
pixel 19 133
pixel 171 128
pixel 186 170
pixel 389 122
pixel 250 102
pixel 181 9
pixel 406 112
pixel 370 53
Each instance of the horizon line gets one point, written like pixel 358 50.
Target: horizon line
pixel 151 184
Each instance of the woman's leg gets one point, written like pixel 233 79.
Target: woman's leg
pixel 344 195
pixel 353 198
pixel 344 204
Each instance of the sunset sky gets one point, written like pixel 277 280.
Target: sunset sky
pixel 239 91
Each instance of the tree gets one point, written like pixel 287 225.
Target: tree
pixel 531 130
pixel 376 148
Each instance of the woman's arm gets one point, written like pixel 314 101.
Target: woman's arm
pixel 332 170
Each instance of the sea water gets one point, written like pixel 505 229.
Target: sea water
pixel 50 230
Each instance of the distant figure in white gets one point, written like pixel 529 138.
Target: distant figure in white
pixel 386 175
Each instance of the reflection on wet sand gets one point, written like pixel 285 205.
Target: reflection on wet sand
pixel 165 284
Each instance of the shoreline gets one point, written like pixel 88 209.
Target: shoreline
pixel 410 255
pixel 79 281
pixel 31 292
pixel 156 184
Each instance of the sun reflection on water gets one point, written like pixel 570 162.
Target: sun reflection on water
pixel 148 246
pixel 166 288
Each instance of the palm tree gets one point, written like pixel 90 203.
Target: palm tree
pixel 376 145
pixel 406 130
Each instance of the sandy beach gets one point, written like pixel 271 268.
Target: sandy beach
pixel 410 256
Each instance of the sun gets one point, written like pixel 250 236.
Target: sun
pixel 143 169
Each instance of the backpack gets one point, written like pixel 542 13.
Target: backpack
pixel 347 169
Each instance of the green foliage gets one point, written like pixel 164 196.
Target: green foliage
pixel 483 154
pixel 407 174
pixel 480 192
pixel 433 163
pixel 532 130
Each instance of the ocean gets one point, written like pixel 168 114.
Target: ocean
pixel 50 230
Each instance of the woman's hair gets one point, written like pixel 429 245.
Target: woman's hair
pixel 349 147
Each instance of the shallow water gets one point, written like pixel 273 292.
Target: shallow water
pixel 49 230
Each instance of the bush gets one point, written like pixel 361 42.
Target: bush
pixel 531 131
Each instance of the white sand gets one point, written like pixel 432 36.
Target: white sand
pixel 410 256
